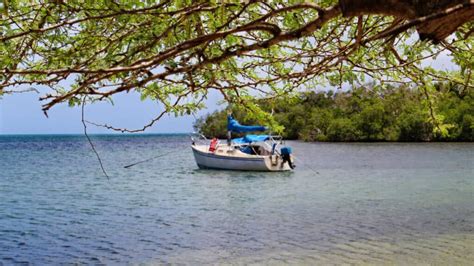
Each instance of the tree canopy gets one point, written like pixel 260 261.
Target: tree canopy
pixel 175 52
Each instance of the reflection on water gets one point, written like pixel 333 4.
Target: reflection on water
pixel 367 203
pixel 442 250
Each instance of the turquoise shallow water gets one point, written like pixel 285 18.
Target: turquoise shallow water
pixel 368 203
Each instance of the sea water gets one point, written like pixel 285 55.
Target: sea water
pixel 402 203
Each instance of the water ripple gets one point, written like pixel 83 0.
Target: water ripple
pixel 368 204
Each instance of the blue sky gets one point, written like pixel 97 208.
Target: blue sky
pixel 21 113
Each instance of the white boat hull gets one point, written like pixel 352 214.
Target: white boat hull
pixel 228 158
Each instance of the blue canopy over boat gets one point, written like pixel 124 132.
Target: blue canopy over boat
pixel 234 126
pixel 251 138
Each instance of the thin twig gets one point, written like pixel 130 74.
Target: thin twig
pixel 89 139
pixel 19 91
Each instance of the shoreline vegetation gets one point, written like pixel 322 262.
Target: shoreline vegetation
pixel 364 114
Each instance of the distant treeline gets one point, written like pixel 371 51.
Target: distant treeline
pixel 365 114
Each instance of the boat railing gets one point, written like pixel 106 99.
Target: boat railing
pixel 276 138
pixel 198 137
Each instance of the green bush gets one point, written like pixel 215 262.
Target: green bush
pixel 343 129
pixel 363 114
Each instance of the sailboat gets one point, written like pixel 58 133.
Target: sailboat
pixel 248 153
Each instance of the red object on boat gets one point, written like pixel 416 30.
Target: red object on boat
pixel 213 145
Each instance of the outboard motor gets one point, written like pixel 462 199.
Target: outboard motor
pixel 286 155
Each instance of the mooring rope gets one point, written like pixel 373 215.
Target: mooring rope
pixel 149 159
pixel 306 165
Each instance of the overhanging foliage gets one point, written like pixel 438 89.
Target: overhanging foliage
pixel 175 52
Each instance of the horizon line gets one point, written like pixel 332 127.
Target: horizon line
pixel 95 134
